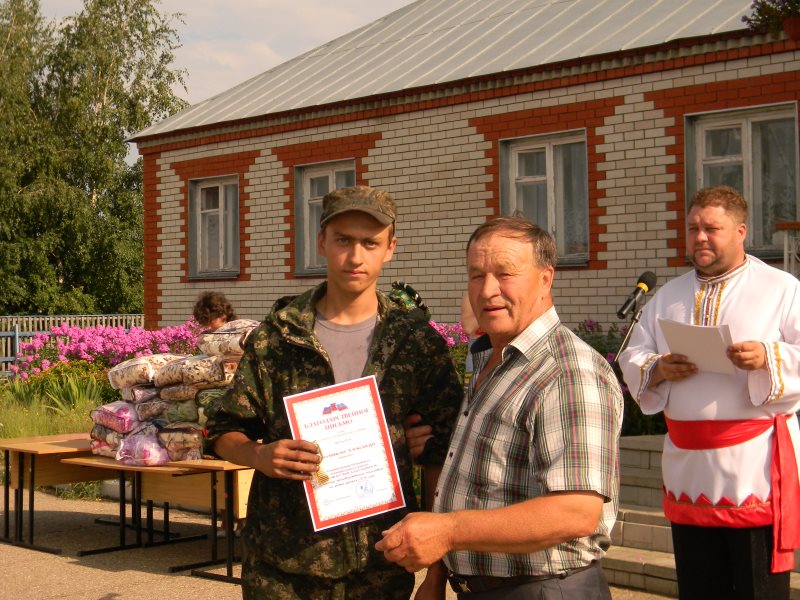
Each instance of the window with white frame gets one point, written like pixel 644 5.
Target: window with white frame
pixel 214 227
pixel 546 179
pixel 755 152
pixel 312 182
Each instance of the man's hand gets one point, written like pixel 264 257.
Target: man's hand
pixel 673 367
pixel 287 459
pixel 416 435
pixel 748 355
pixel 418 541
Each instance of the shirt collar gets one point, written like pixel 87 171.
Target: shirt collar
pixel 734 272
pixel 527 340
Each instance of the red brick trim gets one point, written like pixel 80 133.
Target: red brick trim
pixel 553 119
pixel 418 99
pixel 152 281
pixel 724 95
pixel 354 146
pixel 214 166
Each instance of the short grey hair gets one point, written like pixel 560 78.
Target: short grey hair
pixel 518 226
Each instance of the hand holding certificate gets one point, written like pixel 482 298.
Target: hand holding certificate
pixel 704 346
pixel 358 475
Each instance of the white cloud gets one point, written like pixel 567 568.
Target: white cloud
pixel 226 43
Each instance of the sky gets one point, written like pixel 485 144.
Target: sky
pixel 226 42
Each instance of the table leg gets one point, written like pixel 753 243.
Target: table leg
pixel 229 521
pixel 149 522
pixel 6 495
pixel 18 498
pixel 136 506
pixel 214 508
pixel 215 560
pixel 31 487
pixel 122 510
pixel 19 507
pixel 122 524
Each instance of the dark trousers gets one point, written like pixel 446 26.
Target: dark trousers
pixel 589 584
pixel 726 564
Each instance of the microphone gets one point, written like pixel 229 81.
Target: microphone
pixel 647 281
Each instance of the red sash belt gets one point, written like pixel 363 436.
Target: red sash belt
pixel 706 435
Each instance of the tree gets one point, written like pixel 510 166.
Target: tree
pixel 71 222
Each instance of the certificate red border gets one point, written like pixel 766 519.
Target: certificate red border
pixel 370 382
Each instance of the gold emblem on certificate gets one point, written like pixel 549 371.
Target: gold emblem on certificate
pixel 358 473
pixel 320 477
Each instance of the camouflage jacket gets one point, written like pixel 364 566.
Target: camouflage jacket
pixel 282 356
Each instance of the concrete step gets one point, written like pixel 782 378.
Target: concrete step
pixel 641 569
pixel 642 527
pixel 640 487
pixel 640 470
pixel 653 572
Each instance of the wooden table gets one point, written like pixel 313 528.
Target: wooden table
pixel 178 482
pixel 103 464
pixel 35 461
pixel 236 489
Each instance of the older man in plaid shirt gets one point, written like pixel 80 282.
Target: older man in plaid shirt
pixel 528 494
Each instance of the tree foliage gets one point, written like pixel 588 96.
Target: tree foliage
pixel 71 237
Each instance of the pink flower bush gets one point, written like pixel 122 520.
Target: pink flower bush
pixel 107 346
pixel 453 333
pixel 101 344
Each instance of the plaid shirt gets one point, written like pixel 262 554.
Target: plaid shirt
pixel 547 419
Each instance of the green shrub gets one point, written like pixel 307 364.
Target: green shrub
pixel 86 490
pixel 58 400
pixel 767 16
pixel 459 356
pixel 634 422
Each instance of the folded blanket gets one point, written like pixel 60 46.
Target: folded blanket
pixel 178 392
pixel 228 339
pixel 138 370
pixel 183 441
pixel 199 370
pixel 139 393
pixel 119 416
pixel 142 449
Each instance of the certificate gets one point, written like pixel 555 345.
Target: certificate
pixel 705 346
pixel 358 473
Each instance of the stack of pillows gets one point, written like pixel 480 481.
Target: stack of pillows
pixel 160 415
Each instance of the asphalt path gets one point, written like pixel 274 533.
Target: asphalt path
pixel 140 573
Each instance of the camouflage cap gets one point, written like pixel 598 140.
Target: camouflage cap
pixel 378 204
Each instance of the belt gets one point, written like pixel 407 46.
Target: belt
pixel 470 584
pixel 699 435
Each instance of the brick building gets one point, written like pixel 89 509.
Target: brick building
pixel 597 118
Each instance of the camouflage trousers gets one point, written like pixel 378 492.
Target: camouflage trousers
pixel 261 581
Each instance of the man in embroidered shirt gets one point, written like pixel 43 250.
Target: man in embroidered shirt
pixel 528 494
pixel 729 461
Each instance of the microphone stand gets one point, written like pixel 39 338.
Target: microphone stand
pixel 624 344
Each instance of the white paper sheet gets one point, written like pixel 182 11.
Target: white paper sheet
pixel 358 475
pixel 705 346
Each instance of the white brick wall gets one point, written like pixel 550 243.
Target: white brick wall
pixel 434 163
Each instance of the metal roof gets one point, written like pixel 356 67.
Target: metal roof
pixel 439 41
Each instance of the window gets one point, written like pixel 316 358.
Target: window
pixel 312 182
pixel 755 152
pixel 546 178
pixel 214 227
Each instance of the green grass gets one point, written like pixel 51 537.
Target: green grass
pixel 49 406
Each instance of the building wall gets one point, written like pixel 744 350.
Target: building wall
pixel 440 161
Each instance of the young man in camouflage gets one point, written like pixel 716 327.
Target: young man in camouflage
pixel 340 330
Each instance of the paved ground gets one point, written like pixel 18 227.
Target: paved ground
pixel 125 575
